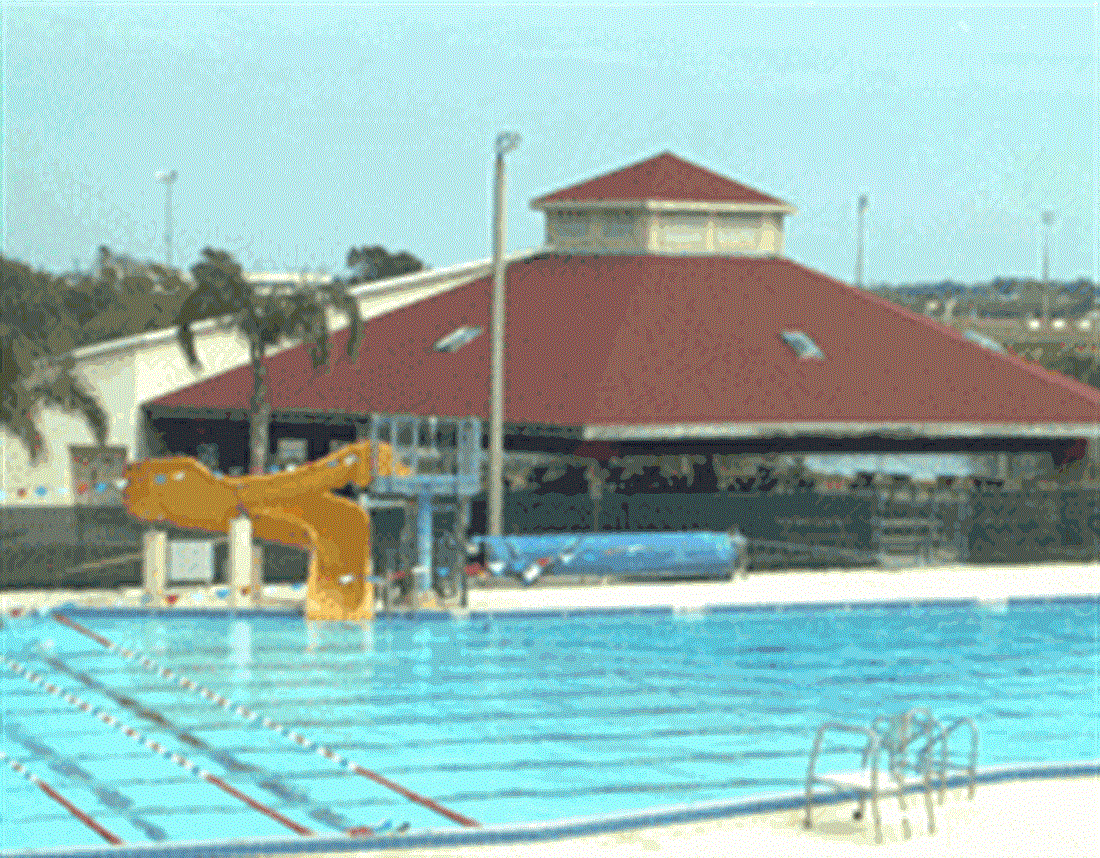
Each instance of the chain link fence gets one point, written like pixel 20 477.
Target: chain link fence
pixel 72 547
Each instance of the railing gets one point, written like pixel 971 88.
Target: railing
pixel 946 763
pixel 901 736
pixel 443 453
pixel 56 547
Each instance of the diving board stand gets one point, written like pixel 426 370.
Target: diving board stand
pixel 444 456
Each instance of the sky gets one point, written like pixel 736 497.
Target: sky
pixel 299 130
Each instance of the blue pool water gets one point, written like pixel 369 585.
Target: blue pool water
pixel 506 719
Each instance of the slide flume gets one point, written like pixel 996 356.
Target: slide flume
pixel 295 508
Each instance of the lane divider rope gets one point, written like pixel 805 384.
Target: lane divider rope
pixel 259 776
pixel 180 760
pixel 78 775
pixel 20 769
pixel 256 718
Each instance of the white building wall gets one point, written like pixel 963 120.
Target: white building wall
pixel 123 375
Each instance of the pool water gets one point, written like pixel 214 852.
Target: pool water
pixel 501 719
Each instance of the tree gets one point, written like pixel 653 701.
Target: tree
pixel 36 333
pixel 377 263
pixel 125 297
pixel 266 319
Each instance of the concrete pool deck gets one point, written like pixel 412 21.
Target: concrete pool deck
pixel 985 583
pixel 1026 817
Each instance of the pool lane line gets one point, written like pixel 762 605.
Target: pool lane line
pixel 20 769
pixel 265 779
pixel 151 744
pixel 255 717
pixel 70 769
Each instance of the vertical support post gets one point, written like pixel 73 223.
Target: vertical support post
pixel 256 578
pixel 154 565
pixel 595 492
pixel 462 522
pixel 423 544
pixel 240 558
pixel 390 561
pixel 495 507
pixel 929 524
pixel 876 521
pixel 965 521
pixel 862 208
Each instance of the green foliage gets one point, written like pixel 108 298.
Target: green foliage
pixel 377 263
pixel 36 333
pixel 1079 362
pixel 266 318
pixel 44 317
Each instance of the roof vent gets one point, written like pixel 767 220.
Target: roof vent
pixel 983 341
pixel 802 345
pixel 456 339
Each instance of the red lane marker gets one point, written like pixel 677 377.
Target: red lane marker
pixel 84 630
pixel 412 796
pixel 251 802
pixel 251 716
pixel 151 744
pixel 17 767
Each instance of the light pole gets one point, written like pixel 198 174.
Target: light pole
pixel 168 177
pixel 859 241
pixel 1048 219
pixel 505 142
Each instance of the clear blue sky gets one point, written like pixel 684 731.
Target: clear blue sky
pixel 301 129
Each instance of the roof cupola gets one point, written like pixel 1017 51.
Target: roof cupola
pixel 664 205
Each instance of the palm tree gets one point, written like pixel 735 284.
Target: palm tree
pixel 34 329
pixel 30 382
pixel 265 319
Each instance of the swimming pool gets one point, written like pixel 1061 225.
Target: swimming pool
pixel 436 721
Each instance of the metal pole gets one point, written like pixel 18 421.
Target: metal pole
pixel 859 241
pixel 1048 219
pixel 424 558
pixel 168 177
pixel 505 142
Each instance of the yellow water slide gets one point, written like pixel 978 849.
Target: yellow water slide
pixel 295 508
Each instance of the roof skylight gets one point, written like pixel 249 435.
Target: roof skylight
pixel 456 339
pixel 802 345
pixel 983 341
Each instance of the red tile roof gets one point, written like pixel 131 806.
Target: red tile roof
pixel 662 177
pixel 617 340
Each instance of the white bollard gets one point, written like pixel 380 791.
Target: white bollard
pixel 154 565
pixel 240 559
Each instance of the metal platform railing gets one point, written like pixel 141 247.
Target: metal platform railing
pixel 443 453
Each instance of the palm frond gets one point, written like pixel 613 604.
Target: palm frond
pixel 20 424
pixel 339 299
pixel 66 391
pixel 186 338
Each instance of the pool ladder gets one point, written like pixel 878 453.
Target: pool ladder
pixel 912 745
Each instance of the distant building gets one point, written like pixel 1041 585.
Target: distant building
pixel 661 318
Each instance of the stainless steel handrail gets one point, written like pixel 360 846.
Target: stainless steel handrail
pixel 900 735
pixel 947 761
pixel 869 762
